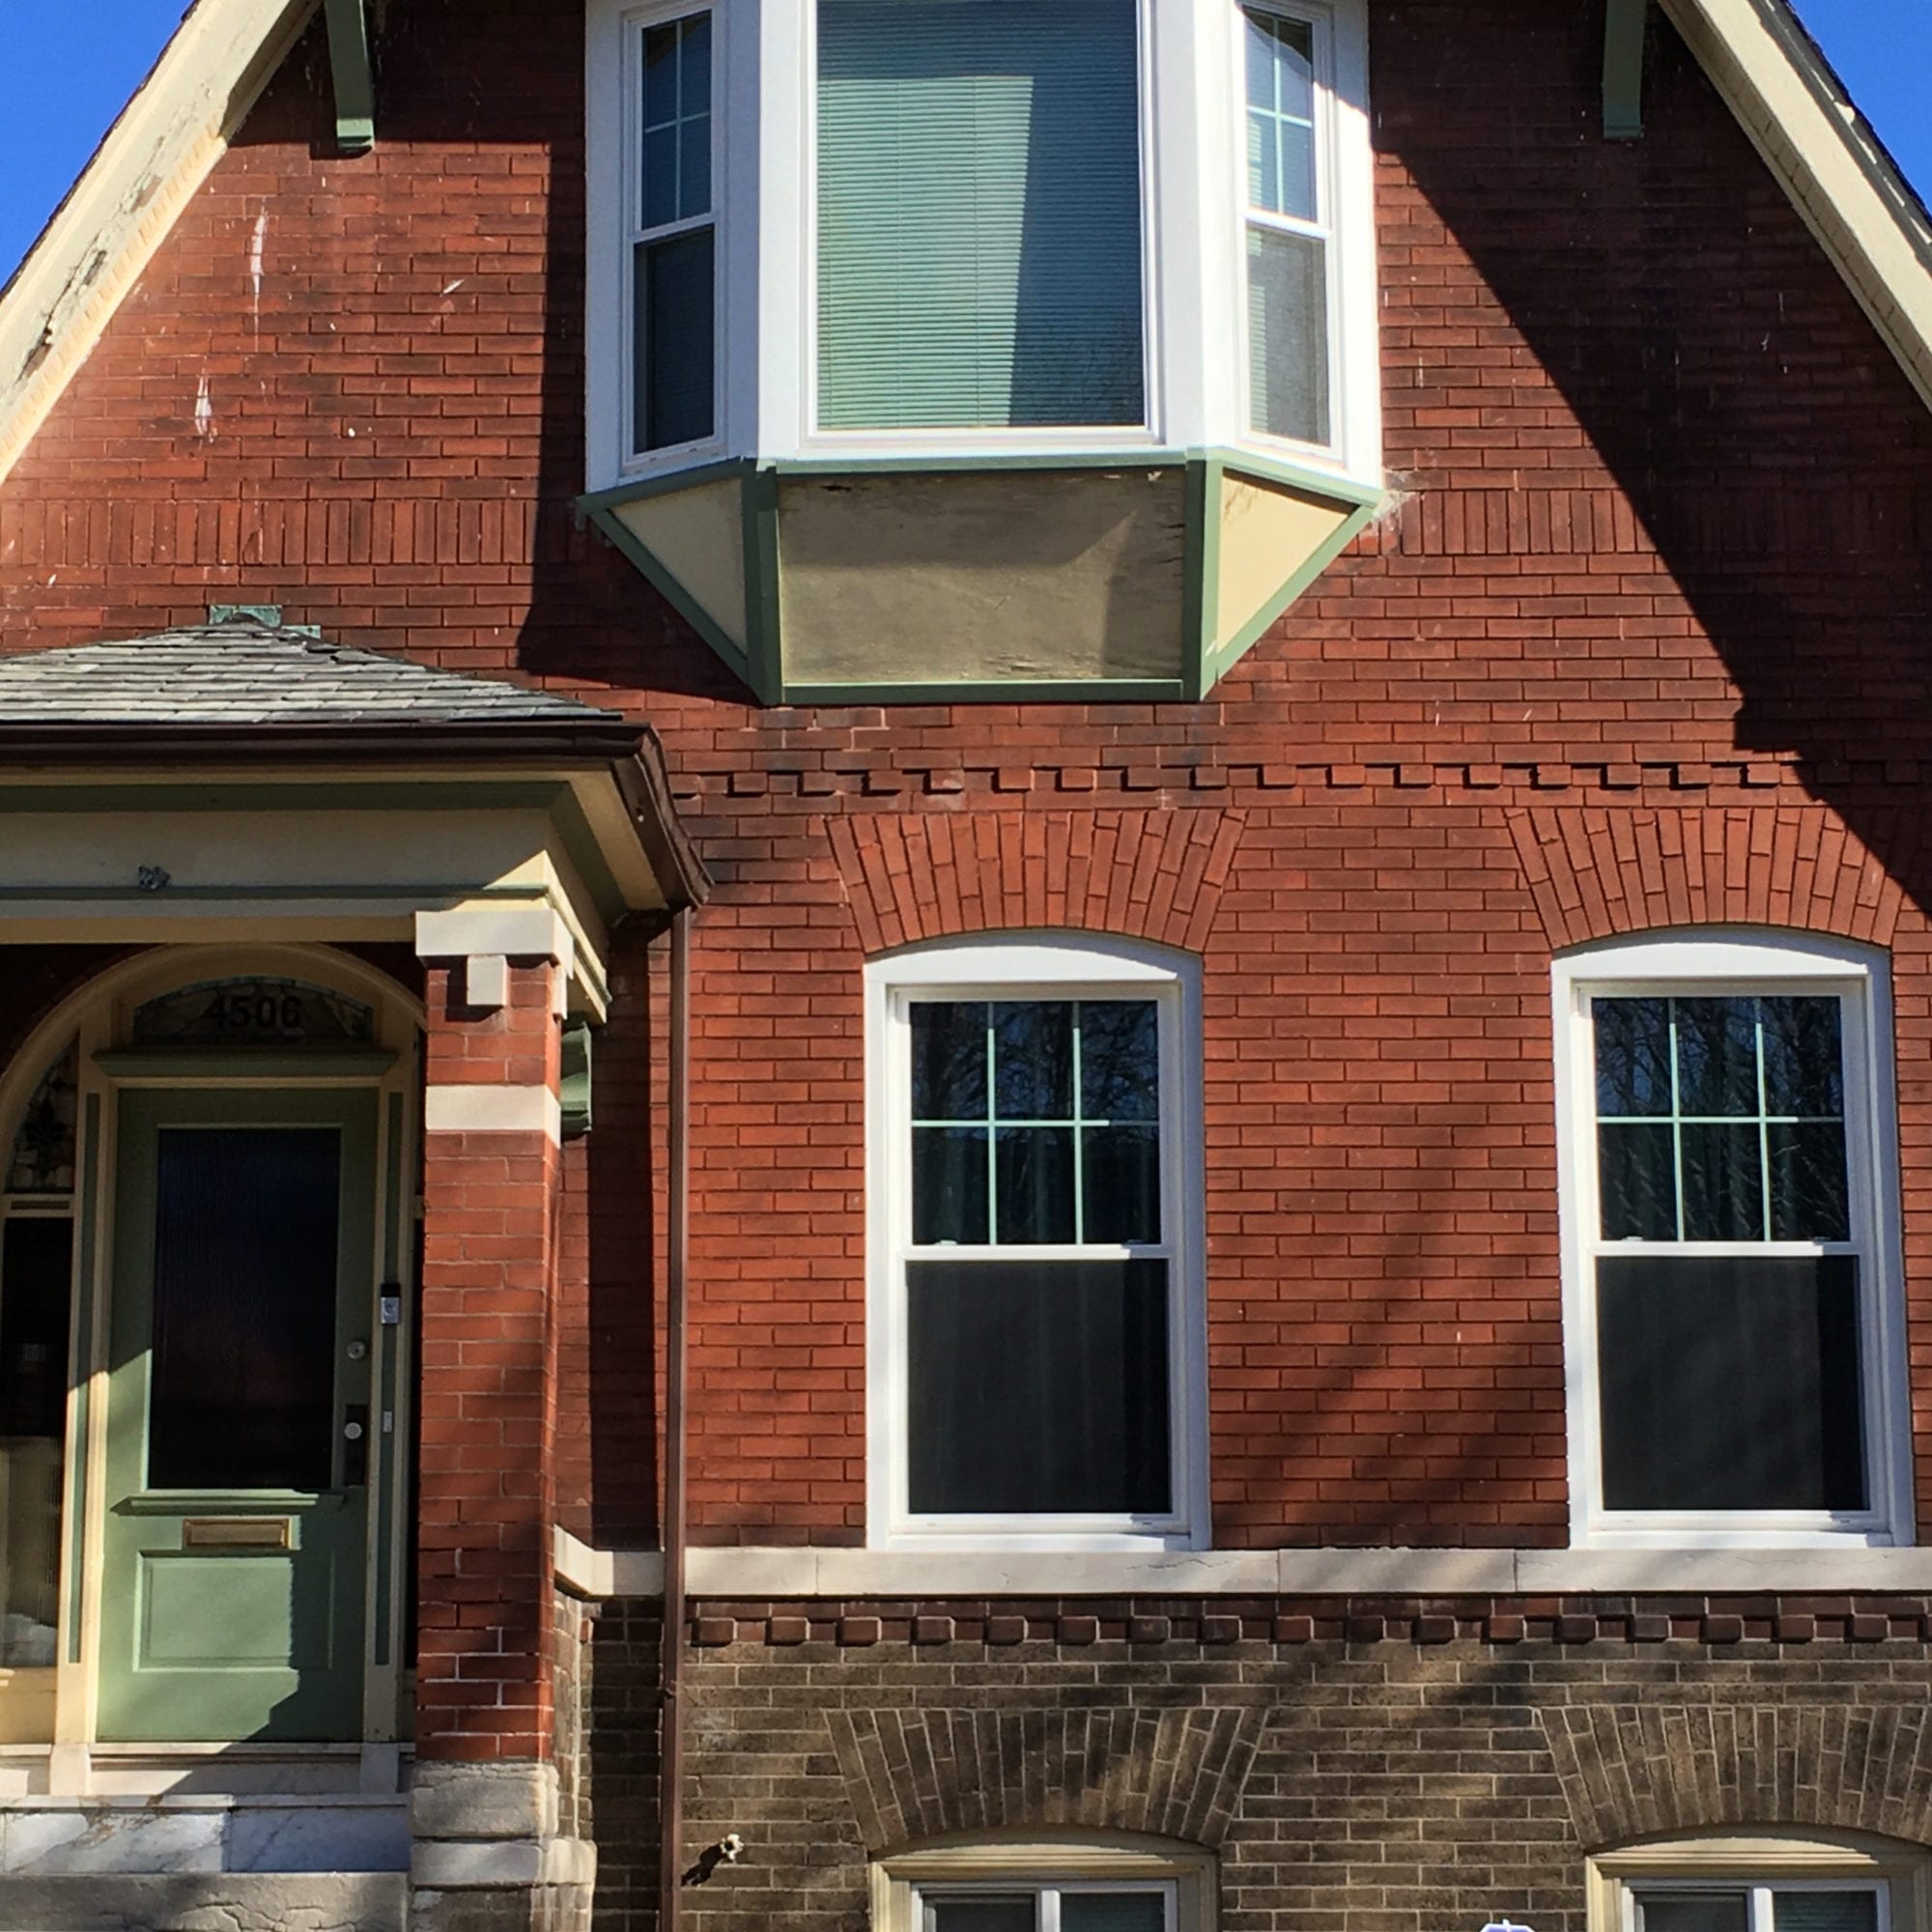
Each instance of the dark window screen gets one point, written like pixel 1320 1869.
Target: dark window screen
pixel 35 1266
pixel 242 1391
pixel 1037 1387
pixel 1730 1382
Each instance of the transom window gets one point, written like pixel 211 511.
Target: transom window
pixel 1733 1271
pixel 1037 1259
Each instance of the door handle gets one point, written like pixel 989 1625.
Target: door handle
pixel 354 1446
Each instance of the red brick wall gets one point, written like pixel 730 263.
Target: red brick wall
pixel 1657 566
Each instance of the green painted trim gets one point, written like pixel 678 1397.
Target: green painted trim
pixel 662 482
pixel 402 897
pixel 1624 22
pixel 758 504
pixel 1149 458
pixel 1297 476
pixel 1232 649
pixel 81 1352
pixel 574 1087
pixel 391 1342
pixel 353 77
pixel 673 592
pixel 227 1502
pixel 1013 691
pixel 581 847
pixel 243 1063
pixel 1200 569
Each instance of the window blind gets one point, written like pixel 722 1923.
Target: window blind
pixel 978 213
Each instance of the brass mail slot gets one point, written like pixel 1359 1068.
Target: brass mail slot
pixel 236 1532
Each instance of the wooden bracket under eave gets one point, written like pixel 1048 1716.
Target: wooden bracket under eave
pixel 1623 69
pixel 354 82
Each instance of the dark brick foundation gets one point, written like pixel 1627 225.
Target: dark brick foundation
pixel 1427 1778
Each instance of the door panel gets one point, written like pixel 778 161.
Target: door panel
pixel 237 1521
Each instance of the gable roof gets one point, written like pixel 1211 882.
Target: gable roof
pixel 240 674
pixel 161 149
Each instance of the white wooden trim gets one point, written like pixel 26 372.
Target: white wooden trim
pixel 1759 961
pixel 1184 1874
pixel 1035 965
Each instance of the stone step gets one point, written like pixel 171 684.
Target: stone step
pixel 205 1902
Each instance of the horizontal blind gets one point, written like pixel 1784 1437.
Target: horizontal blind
pixel 978 213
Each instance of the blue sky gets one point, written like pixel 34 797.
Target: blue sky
pixel 74 62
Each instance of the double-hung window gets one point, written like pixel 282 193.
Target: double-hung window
pixel 1732 1242
pixel 979 214
pixel 673 232
pixel 1034 1237
pixel 1093 1883
pixel 1052 1907
pixel 1290 240
pixel 1755 1882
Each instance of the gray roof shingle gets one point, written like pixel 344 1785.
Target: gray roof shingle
pixel 247 675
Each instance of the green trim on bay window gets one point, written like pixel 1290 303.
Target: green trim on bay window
pixel 673 592
pixel 351 75
pixel 978 217
pixel 1623 25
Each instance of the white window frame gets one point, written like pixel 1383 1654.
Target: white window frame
pixel 1025 966
pixel 1744 962
pixel 1762 1862
pixel 1185 1875
pixel 614 45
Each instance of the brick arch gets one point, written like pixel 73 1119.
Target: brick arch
pixel 1635 1771
pixel 916 1775
pixel 1142 875
pixel 1596 873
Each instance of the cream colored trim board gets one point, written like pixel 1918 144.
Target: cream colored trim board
pixel 157 153
pixel 1838 178
pixel 766 1572
pixel 492 1110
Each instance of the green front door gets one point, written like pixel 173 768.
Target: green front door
pixel 237 1415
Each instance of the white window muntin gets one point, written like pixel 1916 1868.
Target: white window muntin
pixel 1322 227
pixel 1745 963
pixel 1033 967
pixel 967 440
pixel 637 231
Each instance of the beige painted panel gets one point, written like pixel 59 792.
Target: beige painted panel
pixel 1267 533
pixel 698 536
pixel 26 1707
pixel 993 575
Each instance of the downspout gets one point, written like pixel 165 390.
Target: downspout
pixel 670 1774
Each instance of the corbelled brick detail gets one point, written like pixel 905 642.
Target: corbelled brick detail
pixel 912 1775
pixel 1595 872
pixel 1638 1768
pixel 1148 874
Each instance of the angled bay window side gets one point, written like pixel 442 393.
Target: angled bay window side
pixel 1035 1354
pixel 1726 1134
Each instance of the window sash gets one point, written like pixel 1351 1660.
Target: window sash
pixel 1760 1895
pixel 1046 1895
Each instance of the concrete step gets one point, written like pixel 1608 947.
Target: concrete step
pixel 205 1902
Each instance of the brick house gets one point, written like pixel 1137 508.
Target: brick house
pixel 968 970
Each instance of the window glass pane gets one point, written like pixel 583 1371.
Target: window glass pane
pixel 978 213
pixel 1807 1182
pixel 1633 1046
pixel 1036 1386
pixel 1127 1912
pixel 1731 1382
pixel 1838 1911
pixel 948 1184
pixel 1692 1912
pixel 1717 1056
pixel 1723 1182
pixel 242 1389
pixel 986 1912
pixel 1119 1060
pixel 675 340
pixel 1033 1057
pixel 1119 1183
pixel 36 1260
pixel 1288 335
pixel 1804 1066
pixel 1637 1178
pixel 676 144
pixel 1035 1168
pixel 1281 115
pixel 948 1059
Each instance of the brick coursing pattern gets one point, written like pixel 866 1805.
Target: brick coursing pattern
pixel 912 1776
pixel 1632 1770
